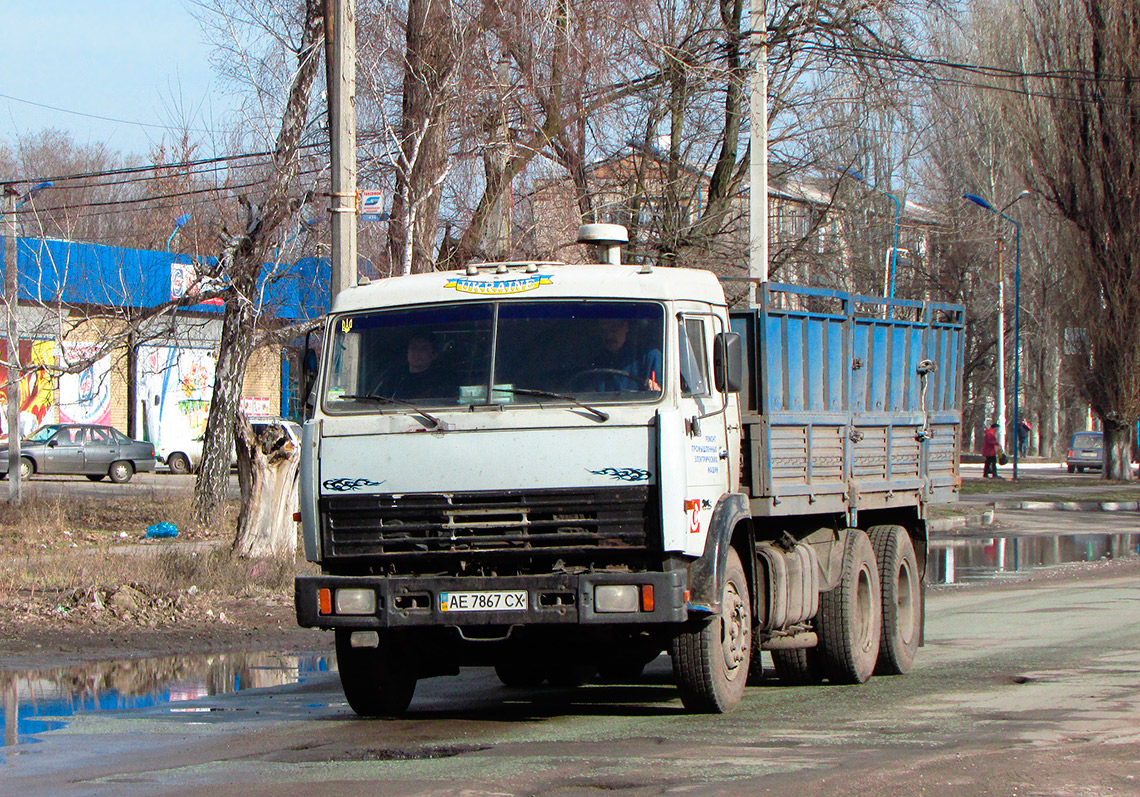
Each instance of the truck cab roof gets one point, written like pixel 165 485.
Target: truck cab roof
pixel 530 280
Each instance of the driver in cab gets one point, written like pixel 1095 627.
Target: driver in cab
pixel 617 366
pixel 421 376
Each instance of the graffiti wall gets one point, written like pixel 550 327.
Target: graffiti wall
pixel 37 387
pixel 85 397
pixel 174 389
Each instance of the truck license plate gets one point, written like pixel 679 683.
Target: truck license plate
pixel 483 601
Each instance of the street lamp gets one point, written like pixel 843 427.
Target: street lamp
pixel 894 246
pixel 178 224
pixel 977 200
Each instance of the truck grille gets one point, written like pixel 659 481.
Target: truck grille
pixel 527 529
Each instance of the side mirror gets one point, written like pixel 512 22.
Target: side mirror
pixel 309 366
pixel 53 443
pixel 728 363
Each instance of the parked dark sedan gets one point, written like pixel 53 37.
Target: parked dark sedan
pixel 93 451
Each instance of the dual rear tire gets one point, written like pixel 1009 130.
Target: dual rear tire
pixel 849 623
pixel 871 622
pixel 902 599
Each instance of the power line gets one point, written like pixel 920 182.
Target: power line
pixel 156 197
pixel 151 167
pixel 106 118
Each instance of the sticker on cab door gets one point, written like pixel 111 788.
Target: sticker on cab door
pixel 693 508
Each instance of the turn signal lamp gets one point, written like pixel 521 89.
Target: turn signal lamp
pixel 324 601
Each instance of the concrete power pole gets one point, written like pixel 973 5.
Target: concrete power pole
pixel 15 492
pixel 340 78
pixel 758 142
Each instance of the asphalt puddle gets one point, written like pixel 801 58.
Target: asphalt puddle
pixel 965 560
pixel 35 701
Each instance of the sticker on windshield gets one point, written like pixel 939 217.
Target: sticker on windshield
pixel 498 287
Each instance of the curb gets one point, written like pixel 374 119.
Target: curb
pixel 1072 506
pixel 942 525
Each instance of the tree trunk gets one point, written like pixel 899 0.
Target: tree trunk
pixel 267 474
pixel 1117 451
pixel 244 254
pixel 233 355
pixel 429 63
pixel 1050 444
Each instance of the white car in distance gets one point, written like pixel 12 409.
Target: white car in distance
pixel 184 456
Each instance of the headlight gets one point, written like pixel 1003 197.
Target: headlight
pixel 616 598
pixel 355 601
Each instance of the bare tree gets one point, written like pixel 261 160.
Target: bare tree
pixel 245 250
pixel 1081 135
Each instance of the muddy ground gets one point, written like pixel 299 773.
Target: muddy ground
pixel 238 624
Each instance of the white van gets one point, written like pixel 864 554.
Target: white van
pixel 183 456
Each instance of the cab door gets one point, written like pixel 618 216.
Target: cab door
pixel 705 436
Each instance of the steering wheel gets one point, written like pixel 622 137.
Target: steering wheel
pixel 577 378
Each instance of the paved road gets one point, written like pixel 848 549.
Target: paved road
pixel 161 482
pixel 1023 689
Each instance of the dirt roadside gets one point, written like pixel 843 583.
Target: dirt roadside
pixel 266 623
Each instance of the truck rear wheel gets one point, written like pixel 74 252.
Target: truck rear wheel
pixel 850 615
pixel 799 667
pixel 375 682
pixel 710 660
pixel 901 597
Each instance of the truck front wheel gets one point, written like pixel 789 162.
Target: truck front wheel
pixel 710 660
pixel 850 615
pixel 375 681
pixel 519 674
pixel 902 599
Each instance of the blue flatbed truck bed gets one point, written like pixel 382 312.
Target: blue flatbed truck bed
pixel 850 403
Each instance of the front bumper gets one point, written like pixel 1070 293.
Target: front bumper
pixel 403 602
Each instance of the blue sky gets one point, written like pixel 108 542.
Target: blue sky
pixel 138 60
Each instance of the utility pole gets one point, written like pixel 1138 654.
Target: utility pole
pixel 15 493
pixel 758 146
pixel 496 158
pixel 340 79
pixel 1000 364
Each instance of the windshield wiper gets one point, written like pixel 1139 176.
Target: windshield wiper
pixel 436 423
pixel 526 391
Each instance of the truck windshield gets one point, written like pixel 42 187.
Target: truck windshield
pixel 539 352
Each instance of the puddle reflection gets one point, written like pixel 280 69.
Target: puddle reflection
pixel 35 701
pixel 986 559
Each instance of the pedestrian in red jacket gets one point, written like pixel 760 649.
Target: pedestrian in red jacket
pixel 990 449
